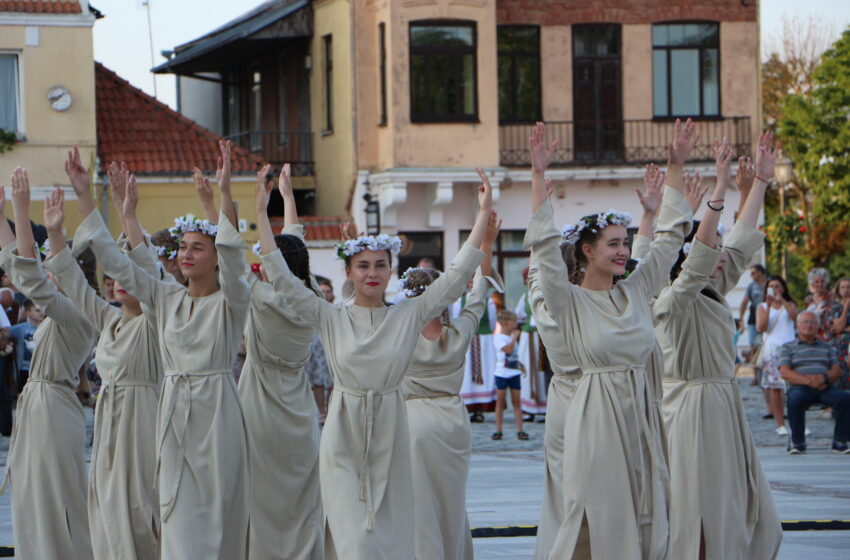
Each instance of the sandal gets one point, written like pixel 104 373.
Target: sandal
pixel 522 435
pixel 497 435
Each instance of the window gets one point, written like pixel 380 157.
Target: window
pixel 382 30
pixel 329 66
pixel 686 70
pixel 509 259
pixel 443 72
pixel 420 245
pixel 10 95
pixel 256 111
pixel 519 73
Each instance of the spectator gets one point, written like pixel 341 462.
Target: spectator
pixel 327 288
pixel 7 382
pixel 10 306
pixel 841 329
pixel 508 371
pixel 753 297
pixel 7 283
pixel 22 335
pixel 809 365
pixel 819 301
pixel 775 318
pixel 426 262
pixel 108 291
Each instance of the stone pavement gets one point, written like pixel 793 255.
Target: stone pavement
pixel 506 479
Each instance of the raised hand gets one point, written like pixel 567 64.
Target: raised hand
pixel 54 211
pixel 485 192
pixel 118 175
pixel 722 157
pixel 549 188
pixel 2 202
pixel 745 176
pixel 131 197
pixel 685 137
pixel 222 172
pixel 540 154
pixel 284 183
pixel 20 189
pixel 21 205
pixel 263 189
pixel 345 231
pixel 205 195
pixel 694 190
pixel 653 189
pixel 77 173
pixel 494 225
pixel 766 157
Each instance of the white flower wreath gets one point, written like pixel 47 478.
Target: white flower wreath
pixel 169 254
pixel 45 247
pixel 595 223
pixel 381 242
pixel 185 224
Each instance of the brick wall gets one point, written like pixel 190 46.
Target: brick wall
pixel 567 12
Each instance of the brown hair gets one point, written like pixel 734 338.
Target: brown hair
pixel 416 281
pixel 88 264
pixel 836 295
pixel 506 315
pixel 163 238
pixel 574 257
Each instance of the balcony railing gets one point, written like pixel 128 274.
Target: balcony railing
pixel 622 142
pixel 279 147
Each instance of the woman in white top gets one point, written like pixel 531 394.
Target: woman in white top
pixel 775 318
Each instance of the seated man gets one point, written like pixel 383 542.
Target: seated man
pixel 809 365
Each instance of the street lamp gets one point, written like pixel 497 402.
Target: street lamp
pixel 373 214
pixel 783 171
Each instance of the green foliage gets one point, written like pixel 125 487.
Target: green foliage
pixel 785 230
pixel 7 140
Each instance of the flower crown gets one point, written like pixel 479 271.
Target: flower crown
pixel 187 224
pixel 595 223
pixel 45 248
pixel 169 254
pixel 381 242
pixel 405 287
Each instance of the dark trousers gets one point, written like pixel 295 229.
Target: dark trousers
pixel 800 398
pixel 7 393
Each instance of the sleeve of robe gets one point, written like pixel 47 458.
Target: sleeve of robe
pixel 694 276
pixel 299 297
pixel 144 255
pixel 640 246
pixel 450 285
pixel 298 231
pixel 133 278
pixel 73 282
pixel 30 278
pixel 469 317
pixel 233 271
pixel 544 241
pixel 740 246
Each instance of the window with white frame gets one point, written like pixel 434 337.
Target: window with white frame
pixel 10 93
pixel 686 69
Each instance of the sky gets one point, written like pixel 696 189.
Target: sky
pixel 121 39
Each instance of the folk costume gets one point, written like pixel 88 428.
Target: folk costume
pixel 532 385
pixel 203 472
pixel 479 383
pixel 717 485
pixel 364 454
pixel 613 402
pixel 46 464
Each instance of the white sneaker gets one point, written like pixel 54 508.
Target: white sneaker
pixel 782 431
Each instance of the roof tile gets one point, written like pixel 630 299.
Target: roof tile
pixel 41 6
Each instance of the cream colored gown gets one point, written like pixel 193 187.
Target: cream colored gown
pixel 440 434
pixel 204 479
pixel 283 427
pixel 123 510
pixel 614 466
pixel 364 457
pixel 46 463
pixel 717 484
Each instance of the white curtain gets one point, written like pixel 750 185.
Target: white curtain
pixel 9 92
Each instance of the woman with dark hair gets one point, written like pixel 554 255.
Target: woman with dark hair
pixel 841 329
pixel 46 464
pixel 440 433
pixel 280 413
pixel 364 454
pixel 776 317
pixel 720 501
pixel 607 328
pixel 203 469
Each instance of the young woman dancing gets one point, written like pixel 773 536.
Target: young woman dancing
pixel 720 501
pixel 364 455
pixel 46 464
pixel 613 402
pixel 280 412
pixel 440 433
pixel 204 481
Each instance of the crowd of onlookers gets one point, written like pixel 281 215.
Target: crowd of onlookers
pixel 800 353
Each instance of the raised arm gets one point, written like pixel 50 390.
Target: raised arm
pixel 685 137
pixel 21 206
pixel 476 301
pixel 118 176
pixel 765 162
pixel 694 276
pixel 233 271
pixel 284 185
pixel 222 174
pixel 650 199
pixel 205 194
pixel 485 208
pixel 80 182
pixel 744 178
pixel 541 156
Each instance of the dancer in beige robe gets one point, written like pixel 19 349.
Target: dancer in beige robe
pixel 204 478
pixel 46 463
pixel 280 413
pixel 440 433
pixel 608 328
pixel 719 493
pixel 364 455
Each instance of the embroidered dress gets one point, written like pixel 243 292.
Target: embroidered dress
pixel 717 486
pixel 610 333
pixel 123 510
pixel 204 480
pixel 364 455
pixel 46 464
pixel 532 385
pixel 283 427
pixel 440 434
pixel 479 382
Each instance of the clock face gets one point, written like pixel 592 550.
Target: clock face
pixel 59 98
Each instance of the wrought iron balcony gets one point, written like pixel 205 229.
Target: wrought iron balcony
pixel 624 142
pixel 279 147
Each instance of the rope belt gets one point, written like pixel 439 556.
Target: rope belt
pixel 364 481
pixel 183 391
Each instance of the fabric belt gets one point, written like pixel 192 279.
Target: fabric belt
pixel 183 391
pixel 23 403
pixel 288 367
pixel 434 395
pixel 364 481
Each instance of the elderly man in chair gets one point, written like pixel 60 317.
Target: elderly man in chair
pixel 809 365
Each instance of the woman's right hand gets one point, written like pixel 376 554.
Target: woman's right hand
pixel 263 189
pixel 20 190
pixel 485 192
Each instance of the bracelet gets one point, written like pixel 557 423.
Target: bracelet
pixel 762 180
pixel 708 203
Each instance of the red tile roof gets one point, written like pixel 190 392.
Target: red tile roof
pixel 151 137
pixel 317 228
pixel 41 6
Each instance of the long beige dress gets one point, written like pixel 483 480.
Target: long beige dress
pixel 283 427
pixel 204 478
pixel 122 509
pixel 717 484
pixel 46 463
pixel 440 434
pixel 614 465
pixel 364 456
